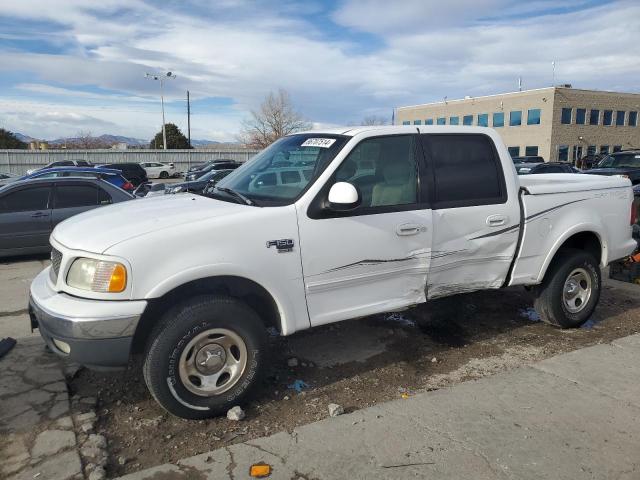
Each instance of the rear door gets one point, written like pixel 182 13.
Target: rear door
pixel 71 198
pixel 25 218
pixel 476 224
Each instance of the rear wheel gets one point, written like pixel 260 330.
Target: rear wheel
pixel 205 356
pixel 164 174
pixel 570 290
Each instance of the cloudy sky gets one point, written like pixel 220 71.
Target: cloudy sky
pixel 70 65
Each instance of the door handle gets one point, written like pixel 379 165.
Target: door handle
pixel 497 220
pixel 39 215
pixel 410 229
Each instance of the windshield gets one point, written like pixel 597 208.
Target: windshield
pixel 620 161
pixel 279 174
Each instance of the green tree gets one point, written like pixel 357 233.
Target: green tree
pixel 175 138
pixel 9 140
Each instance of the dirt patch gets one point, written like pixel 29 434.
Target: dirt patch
pixel 392 356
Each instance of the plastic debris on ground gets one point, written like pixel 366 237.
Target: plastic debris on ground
pixel 400 319
pixel 298 385
pixel 590 323
pixel 260 470
pixel 530 314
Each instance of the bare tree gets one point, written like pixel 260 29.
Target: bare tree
pixel 275 118
pixel 84 140
pixel 374 120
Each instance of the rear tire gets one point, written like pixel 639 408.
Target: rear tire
pixel 205 356
pixel 570 291
pixel 164 175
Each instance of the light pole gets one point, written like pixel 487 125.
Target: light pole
pixel 161 79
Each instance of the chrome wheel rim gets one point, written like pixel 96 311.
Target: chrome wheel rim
pixel 577 290
pixel 212 362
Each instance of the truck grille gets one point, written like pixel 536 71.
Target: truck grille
pixel 56 258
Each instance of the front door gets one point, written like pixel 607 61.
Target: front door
pixel 25 219
pixel 476 217
pixel 374 258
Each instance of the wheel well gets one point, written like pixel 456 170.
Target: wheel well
pixel 587 241
pixel 248 291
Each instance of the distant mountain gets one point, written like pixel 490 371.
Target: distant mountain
pixel 202 143
pixel 23 138
pixel 108 139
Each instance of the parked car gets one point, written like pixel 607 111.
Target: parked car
pixel 159 170
pixel 109 175
pixel 63 163
pixel 150 190
pixel 200 166
pixel 211 185
pixel 30 209
pixel 589 161
pixel 625 163
pixel 226 269
pixel 528 159
pixel 197 186
pixel 547 167
pixel 230 165
pixel 6 177
pixel 131 171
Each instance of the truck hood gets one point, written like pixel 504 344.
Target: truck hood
pixel 99 229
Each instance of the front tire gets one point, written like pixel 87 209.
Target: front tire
pixel 205 356
pixel 570 291
pixel 164 175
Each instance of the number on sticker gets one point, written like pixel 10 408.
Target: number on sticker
pixel 318 142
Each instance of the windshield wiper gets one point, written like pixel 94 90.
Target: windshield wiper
pixel 233 193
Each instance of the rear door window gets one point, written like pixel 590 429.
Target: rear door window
pixel 25 200
pixel 466 170
pixel 68 196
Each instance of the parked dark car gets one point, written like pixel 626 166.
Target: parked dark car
pixel 226 165
pixel 589 161
pixel 528 159
pixel 6 177
pixel 201 166
pixel 625 163
pixel 548 167
pixel 197 186
pixel 30 209
pixel 63 163
pixel 131 171
pixel 114 177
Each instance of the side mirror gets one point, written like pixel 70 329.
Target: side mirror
pixel 343 197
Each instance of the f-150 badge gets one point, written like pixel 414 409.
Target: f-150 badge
pixel 284 245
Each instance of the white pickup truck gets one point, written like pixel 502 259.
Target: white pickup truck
pixel 319 227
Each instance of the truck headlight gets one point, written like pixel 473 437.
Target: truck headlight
pixel 97 276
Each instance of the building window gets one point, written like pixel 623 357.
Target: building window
pixel 620 117
pixel 454 121
pixel 617 148
pixel 498 119
pixel 577 153
pixel 467 120
pixel 591 150
pixel 428 121
pixel 531 151
pixel 406 122
pixel 607 118
pixel 594 117
pixel 563 153
pixel 633 119
pixel 604 149
pixel 442 121
pixel 483 119
pixel 417 122
pixel 514 151
pixel 515 118
pixel 566 116
pixel 533 116
pixel 581 114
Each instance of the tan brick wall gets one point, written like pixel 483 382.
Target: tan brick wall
pixel 550 133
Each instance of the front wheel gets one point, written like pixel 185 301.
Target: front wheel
pixel 164 175
pixel 570 291
pixel 205 356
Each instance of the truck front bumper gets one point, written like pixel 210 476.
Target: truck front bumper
pixel 95 333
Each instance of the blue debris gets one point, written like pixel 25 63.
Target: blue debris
pixel 298 385
pixel 530 314
pixel 590 323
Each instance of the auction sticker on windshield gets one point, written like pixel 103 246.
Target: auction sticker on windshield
pixel 318 142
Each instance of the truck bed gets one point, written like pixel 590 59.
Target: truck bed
pixel 569 182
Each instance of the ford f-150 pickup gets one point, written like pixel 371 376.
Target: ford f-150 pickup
pixel 319 227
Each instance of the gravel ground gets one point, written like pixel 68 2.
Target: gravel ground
pixel 354 364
